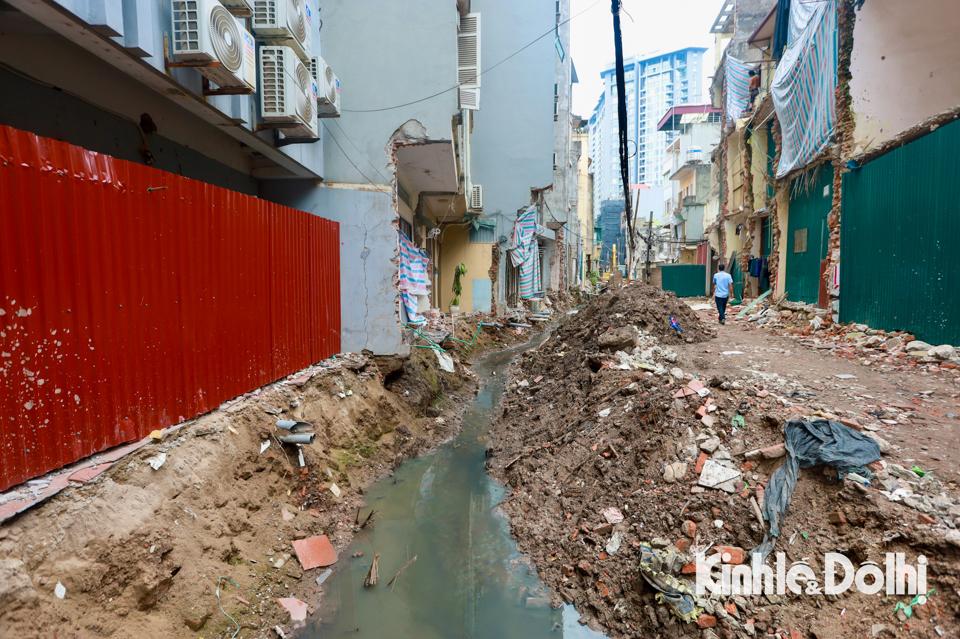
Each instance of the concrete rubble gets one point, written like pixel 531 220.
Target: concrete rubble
pixel 683 458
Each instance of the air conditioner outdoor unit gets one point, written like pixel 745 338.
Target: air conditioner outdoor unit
pixel 328 88
pixel 284 22
pixel 288 94
pixel 242 8
pixel 206 34
pixel 476 197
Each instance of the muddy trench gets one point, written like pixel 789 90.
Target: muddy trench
pixel 446 561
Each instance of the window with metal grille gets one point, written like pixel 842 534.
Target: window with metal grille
pixel 483 234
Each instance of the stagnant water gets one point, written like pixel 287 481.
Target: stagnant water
pixel 469 580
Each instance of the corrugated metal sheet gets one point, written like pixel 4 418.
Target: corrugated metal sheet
pixel 899 236
pixel 808 211
pixel 132 299
pixel 686 280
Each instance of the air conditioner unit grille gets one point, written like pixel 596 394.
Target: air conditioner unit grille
pixel 264 12
pixel 476 197
pixel 297 20
pixel 225 37
pixel 186 27
pixel 306 103
pixel 271 81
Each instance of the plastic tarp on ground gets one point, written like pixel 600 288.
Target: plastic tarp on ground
pixel 414 278
pixel 811 443
pixel 805 82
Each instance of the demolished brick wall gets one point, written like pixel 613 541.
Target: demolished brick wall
pixel 774 265
pixel 843 146
pixel 748 205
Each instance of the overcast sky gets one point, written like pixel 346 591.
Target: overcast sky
pixel 657 25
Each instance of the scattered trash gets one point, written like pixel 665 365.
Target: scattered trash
pixel 156 461
pixel 323 576
pixel 716 475
pixel 811 443
pixel 333 488
pixel 156 435
pixel 315 552
pixel 612 515
pixel 907 608
pixel 919 471
pixel 264 445
pixel 300 458
pixel 655 568
pixel 845 376
pixel 604 413
pixel 60 591
pixel 297 438
pixel 445 360
pixel 296 608
pixel 675 325
pixel 728 353
pixel 613 545
pixel 373 574
pixel 293 426
pixel 220 604
pixel 737 421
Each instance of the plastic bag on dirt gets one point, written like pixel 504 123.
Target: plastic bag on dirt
pixel 654 568
pixel 811 443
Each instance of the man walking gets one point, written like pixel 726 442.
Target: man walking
pixel 722 284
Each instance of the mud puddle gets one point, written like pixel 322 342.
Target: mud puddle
pixel 468 579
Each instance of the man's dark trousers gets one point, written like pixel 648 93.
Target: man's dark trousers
pixel 722 307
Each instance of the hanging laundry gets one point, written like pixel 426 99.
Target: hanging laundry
pixel 738 87
pixel 414 278
pixel 525 253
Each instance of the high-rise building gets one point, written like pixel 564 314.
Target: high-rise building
pixel 653 84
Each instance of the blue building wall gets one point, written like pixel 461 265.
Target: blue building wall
pixel 514 128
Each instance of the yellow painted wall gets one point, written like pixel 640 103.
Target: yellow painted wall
pixel 456 247
pixel 758 146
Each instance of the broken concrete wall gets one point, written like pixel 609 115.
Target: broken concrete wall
pixel 904 67
pixel 513 136
pixel 368 243
pixel 415 54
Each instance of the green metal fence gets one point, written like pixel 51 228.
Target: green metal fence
pixel 686 280
pixel 808 235
pixel 901 215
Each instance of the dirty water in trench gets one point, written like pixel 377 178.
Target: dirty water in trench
pixel 469 579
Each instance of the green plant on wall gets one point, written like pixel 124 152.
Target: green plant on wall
pixel 457 286
pixel 594 277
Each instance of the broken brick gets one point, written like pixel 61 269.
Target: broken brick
pixel 925 518
pixel 731 554
pixel 837 518
pixel 706 621
pixel 689 569
pixel 689 528
pixel 701 460
pixel 682 544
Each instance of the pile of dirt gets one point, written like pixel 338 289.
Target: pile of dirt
pixel 144 552
pixel 604 457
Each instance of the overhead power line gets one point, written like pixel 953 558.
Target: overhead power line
pixel 483 72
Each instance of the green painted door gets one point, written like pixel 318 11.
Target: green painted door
pixel 899 268
pixel 808 236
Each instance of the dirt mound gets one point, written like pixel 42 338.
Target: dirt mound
pixel 647 308
pixel 603 449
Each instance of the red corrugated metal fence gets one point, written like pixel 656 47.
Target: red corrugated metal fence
pixel 132 299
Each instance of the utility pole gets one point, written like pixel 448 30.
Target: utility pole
pixel 646 270
pixel 622 126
